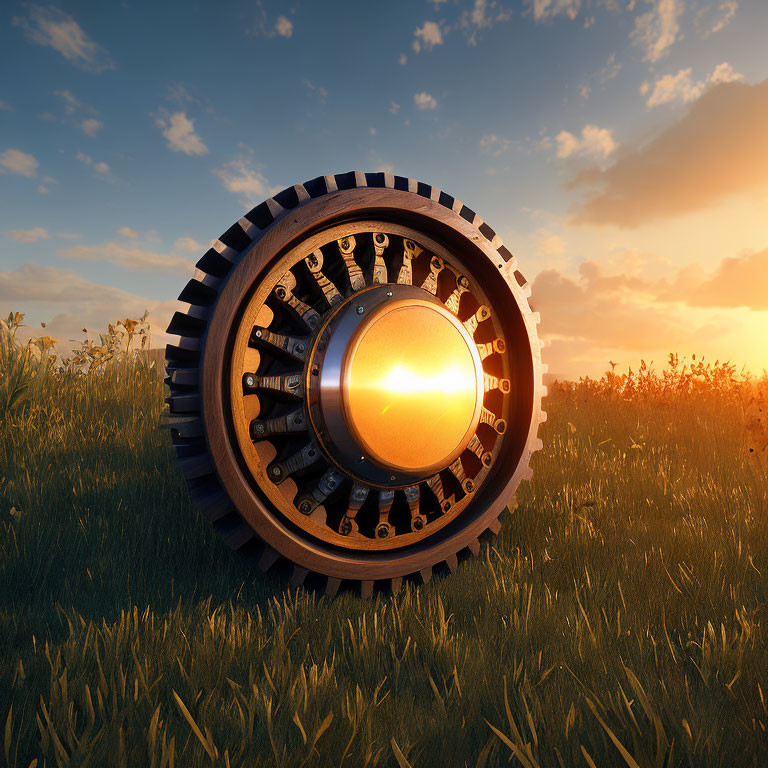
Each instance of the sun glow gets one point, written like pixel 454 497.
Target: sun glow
pixel 405 381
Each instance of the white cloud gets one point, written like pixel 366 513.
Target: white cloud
pixel 492 144
pixel 546 9
pixel 681 87
pixel 16 161
pixel 657 29
pixel 128 232
pixel 51 27
pixel 284 26
pixel 427 36
pixel 402 59
pixel 131 258
pixel 713 18
pixel 187 244
pixel 424 100
pixel 321 92
pixel 593 142
pixel 91 126
pixel 242 178
pixel 28 235
pixel 179 131
pixel 100 167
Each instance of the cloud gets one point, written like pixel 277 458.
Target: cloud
pixel 100 167
pixel 188 244
pixel 28 235
pixel 134 259
pixel 656 30
pixel 712 18
pixel 71 104
pixel 593 142
pixel 16 161
pixel 680 87
pixel 491 144
pixel 51 27
pixel 91 126
pixel 402 59
pixel 68 303
pixel 543 10
pixel 5 106
pixel 737 282
pixel 423 100
pixel 394 107
pixel 427 36
pixel 132 234
pixel 243 178
pixel 321 92
pixel 179 131
pixel 284 26
pixel 718 148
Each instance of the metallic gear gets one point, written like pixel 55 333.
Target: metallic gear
pixel 356 390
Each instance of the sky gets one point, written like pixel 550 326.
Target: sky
pixel 619 147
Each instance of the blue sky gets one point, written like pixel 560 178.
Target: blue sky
pixel 132 134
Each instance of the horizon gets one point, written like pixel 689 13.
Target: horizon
pixel 618 148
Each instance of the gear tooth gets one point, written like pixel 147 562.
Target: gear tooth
pixel 457 205
pixel 535 318
pixel 332 586
pixel 248 227
pixel 544 390
pixel 544 368
pixel 452 562
pixel 526 474
pixel 301 193
pixel 397 584
pixel 330 183
pixel 185 377
pixel 212 502
pixel 184 404
pixel 298 575
pixel 426 574
pixel 366 588
pixel 275 208
pixel 360 180
pixel 435 194
pixel 240 535
pixel 496 242
pixel 474 547
pixel 526 289
pixel 389 180
pixel 413 185
pixel 477 221
pixel 537 444
pixel 495 526
pixel 542 417
pixel 268 558
pixel 224 250
pixel 196 466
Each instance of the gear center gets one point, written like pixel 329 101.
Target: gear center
pixel 411 386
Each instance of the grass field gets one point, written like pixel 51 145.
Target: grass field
pixel 618 620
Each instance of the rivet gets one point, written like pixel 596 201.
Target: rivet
pixel 276 471
pixel 250 381
pixel 305 507
pixel 389 294
pixel 360 309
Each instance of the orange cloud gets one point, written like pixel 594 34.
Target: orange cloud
pixel 740 282
pixel 719 148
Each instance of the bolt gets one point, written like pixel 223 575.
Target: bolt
pixel 312 321
pixel 389 294
pixel 331 483
pixel 315 371
pixel 418 524
pixel 501 426
pixel 259 333
pixel 392 478
pixel 360 309
pixel 305 507
pixel 463 282
pixel 345 243
pixel 312 261
pixel 299 348
pixel 487 459
pixel 280 292
pixel 250 381
pixel 382 531
pixel 409 244
pixel 310 453
pixel 500 345
pixel 346 527
pixel 259 427
pixel 298 419
pixel 276 471
pixel 469 486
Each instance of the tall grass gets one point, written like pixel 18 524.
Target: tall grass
pixel 619 618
